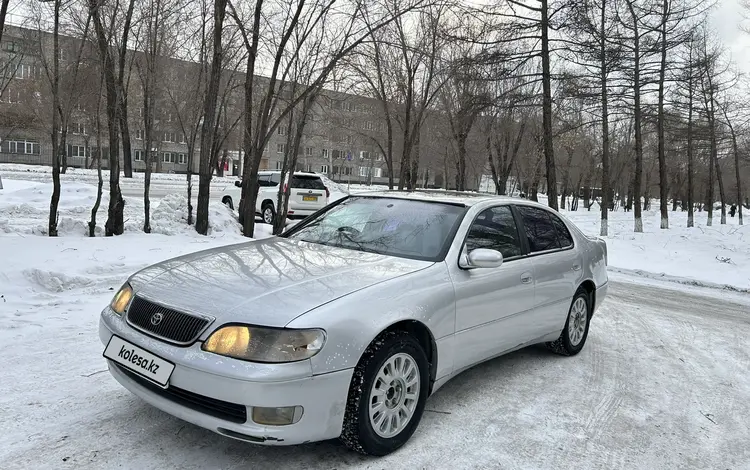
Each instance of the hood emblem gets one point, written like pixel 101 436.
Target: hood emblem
pixel 156 319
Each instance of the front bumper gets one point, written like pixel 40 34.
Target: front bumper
pixel 323 397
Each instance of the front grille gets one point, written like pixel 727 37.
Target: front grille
pixel 231 412
pixel 176 327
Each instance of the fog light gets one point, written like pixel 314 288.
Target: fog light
pixel 277 416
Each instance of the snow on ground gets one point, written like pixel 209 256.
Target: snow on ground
pixel 662 383
pixel 717 256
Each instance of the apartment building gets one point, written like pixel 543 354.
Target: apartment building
pixel 342 137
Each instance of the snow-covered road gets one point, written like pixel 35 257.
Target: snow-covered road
pixel 664 382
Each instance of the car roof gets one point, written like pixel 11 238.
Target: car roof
pixel 296 173
pixel 435 195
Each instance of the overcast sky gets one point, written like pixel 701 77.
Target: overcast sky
pixel 727 17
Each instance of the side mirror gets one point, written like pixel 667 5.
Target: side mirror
pixel 238 184
pixel 481 258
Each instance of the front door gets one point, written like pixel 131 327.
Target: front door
pixel 493 305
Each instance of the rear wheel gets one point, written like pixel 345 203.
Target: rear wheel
pixel 228 201
pixel 576 330
pixel 387 395
pixel 268 213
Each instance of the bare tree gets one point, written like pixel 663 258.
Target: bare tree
pixel 208 131
pixel 115 224
pixel 637 33
pixel 264 108
pixel 97 202
pixel 55 81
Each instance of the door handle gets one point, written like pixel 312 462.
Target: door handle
pixel 576 267
pixel 526 278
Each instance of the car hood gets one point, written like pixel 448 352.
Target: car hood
pixel 268 282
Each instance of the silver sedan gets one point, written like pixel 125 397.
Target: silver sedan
pixel 344 325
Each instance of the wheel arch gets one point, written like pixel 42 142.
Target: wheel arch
pixel 423 335
pixel 590 288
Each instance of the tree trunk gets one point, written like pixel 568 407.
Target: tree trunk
pixel 209 118
pixel 549 153
pixel 691 183
pixel 189 180
pixel 127 152
pixel 115 223
pixel 414 173
pixel 637 187
pixel 663 195
pixel 95 209
pixel 122 101
pixel 52 225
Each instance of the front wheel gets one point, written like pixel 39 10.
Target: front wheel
pixel 268 213
pixel 387 395
pixel 576 329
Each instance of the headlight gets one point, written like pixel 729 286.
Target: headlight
pixel 121 299
pixel 259 344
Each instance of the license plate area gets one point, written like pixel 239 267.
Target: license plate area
pixel 139 361
pixel 310 198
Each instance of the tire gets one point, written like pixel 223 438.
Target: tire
pixel 359 433
pixel 228 201
pixel 267 213
pixel 573 338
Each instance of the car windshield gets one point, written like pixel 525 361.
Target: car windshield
pixel 389 226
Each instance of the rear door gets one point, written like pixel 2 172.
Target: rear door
pixel 308 193
pixel 557 265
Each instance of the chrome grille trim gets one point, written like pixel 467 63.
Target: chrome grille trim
pixel 176 327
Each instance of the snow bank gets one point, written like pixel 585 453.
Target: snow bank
pixel 24 209
pixel 717 256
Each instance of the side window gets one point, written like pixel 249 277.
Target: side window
pixel 541 233
pixel 563 234
pixel 263 181
pixel 495 229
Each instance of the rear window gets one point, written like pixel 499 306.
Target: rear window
pixel 307 182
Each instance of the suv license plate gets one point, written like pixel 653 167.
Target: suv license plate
pixel 310 198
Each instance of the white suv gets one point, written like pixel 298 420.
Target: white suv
pixel 308 194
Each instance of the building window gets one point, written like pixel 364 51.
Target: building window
pixel 63 55
pixel 167 157
pixel 281 130
pixel 139 134
pixel 27 147
pixel 325 153
pixel 79 128
pixel 278 165
pixel 77 151
pixel 369 126
pixel 182 158
pixel 169 137
pixel 12 46
pixel 11 96
pixel 139 155
pixel 324 169
pixel 281 148
pixel 349 139
pixel 140 112
pixel 379 157
pixel 169 117
pixel 182 138
pixel 377 172
pixel 308 151
pixel 364 155
pixel 308 168
pixel 364 171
